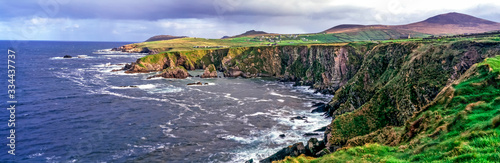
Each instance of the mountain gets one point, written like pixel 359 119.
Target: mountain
pixel 163 37
pixel 252 33
pixel 444 24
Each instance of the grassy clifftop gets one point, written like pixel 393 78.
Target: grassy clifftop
pixel 460 125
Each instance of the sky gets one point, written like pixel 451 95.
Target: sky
pixel 136 20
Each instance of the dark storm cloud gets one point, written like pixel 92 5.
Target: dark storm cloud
pixel 174 9
pixel 128 9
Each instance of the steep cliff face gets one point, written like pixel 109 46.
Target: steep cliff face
pixel 323 67
pixel 461 124
pixel 190 60
pixel 396 80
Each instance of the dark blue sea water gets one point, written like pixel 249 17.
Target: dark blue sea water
pixel 77 110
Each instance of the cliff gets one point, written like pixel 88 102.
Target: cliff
pixel 461 124
pixel 382 91
pixel 396 80
pixel 324 67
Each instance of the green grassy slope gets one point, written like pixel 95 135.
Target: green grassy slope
pixel 461 125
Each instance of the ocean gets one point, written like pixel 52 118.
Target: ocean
pixel 77 110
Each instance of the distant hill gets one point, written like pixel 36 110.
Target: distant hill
pixel 444 24
pixel 253 33
pixel 163 37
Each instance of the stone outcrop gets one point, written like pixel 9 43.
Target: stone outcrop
pixel 293 150
pixel 133 48
pixel 173 72
pixel 210 72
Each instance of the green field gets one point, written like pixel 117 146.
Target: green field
pixel 183 44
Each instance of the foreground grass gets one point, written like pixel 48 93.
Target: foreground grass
pixel 461 125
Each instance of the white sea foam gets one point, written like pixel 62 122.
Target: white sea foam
pixel 124 56
pixel 281 95
pixel 146 86
pixel 228 95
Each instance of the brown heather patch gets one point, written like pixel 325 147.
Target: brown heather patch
pixel 470 106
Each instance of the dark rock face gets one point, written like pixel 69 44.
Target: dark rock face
pixel 210 72
pixel 311 134
pixel 314 146
pixel 130 86
pixel 197 83
pixel 233 72
pixel 298 118
pixel 320 108
pixel 67 56
pixel 293 150
pixel 321 129
pixel 173 72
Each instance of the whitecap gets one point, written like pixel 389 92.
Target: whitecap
pixel 281 95
pixel 228 95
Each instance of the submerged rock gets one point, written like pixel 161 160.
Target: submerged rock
pixel 311 134
pixel 130 86
pixel 298 118
pixel 322 129
pixel 197 83
pixel 210 72
pixel 173 72
pixel 293 150
pixel 320 108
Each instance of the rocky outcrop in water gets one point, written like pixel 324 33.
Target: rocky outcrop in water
pixel 293 150
pixel 210 72
pixel 133 48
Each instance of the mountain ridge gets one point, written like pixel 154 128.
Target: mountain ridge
pixel 443 24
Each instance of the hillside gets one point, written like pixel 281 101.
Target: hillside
pixel 460 125
pixel 444 24
pixel 252 33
